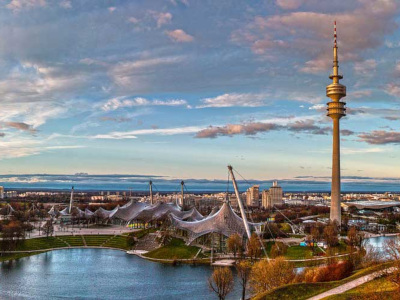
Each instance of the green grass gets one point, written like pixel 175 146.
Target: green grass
pixel 176 249
pixel 118 241
pixel 44 243
pixel 379 286
pixel 298 252
pixel 40 244
pixel 74 241
pixel 96 240
pixel 300 291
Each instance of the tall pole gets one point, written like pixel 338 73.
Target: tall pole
pixel 182 195
pixel 151 192
pixel 242 211
pixel 71 200
pixel 336 110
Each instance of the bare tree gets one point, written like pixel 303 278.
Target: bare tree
pixel 331 235
pixel 221 282
pixel 316 233
pixel 234 244
pixel 243 269
pixel 267 275
pixel 392 247
pixel 48 228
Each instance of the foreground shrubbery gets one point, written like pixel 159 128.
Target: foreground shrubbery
pixel 267 275
pixel 332 272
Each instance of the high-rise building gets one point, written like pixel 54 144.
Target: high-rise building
pixel 273 196
pixel 336 110
pixel 1 192
pixel 253 196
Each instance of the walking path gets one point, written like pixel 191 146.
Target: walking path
pixel 352 284
pixel 84 241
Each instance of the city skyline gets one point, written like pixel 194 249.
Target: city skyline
pixel 116 88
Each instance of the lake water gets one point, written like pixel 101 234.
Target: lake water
pixel 102 274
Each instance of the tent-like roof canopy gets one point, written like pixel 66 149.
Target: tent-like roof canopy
pixel 130 210
pixel 191 215
pixel 105 214
pixel 158 211
pixel 225 222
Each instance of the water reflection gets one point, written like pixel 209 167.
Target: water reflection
pixel 102 274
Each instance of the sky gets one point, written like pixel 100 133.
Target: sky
pixel 182 88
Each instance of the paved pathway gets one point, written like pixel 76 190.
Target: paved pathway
pixel 351 285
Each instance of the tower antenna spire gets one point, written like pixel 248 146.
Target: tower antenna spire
pixel 335 34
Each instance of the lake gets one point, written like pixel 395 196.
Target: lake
pixel 102 274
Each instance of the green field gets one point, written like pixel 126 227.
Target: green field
pixel 118 241
pixel 44 243
pixel 176 249
pixel 96 240
pixel 40 244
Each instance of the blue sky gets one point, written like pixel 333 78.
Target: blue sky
pixel 181 88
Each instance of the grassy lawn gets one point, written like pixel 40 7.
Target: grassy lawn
pixel 96 240
pixel 176 249
pixel 73 240
pixel 40 243
pixel 118 241
pixel 301 291
pixel 298 252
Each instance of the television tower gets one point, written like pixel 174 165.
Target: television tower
pixel 336 110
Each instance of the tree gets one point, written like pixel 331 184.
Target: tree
pixel 331 235
pixel 48 228
pixel 278 249
pixel 221 282
pixel 355 238
pixel 392 247
pixel 234 244
pixel 243 269
pixel 267 275
pixel 316 233
pixel 253 247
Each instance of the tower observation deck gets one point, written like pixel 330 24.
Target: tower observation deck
pixel 336 110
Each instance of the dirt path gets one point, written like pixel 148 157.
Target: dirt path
pixel 351 285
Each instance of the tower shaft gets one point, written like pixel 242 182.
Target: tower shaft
pixel 335 213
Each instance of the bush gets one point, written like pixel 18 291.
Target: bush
pixel 332 272
pixel 278 249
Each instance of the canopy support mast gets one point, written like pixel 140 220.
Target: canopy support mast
pixel 242 211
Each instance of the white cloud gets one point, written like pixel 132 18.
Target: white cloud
pixel 158 131
pixel 133 20
pixel 310 33
pixel 135 74
pixel 235 99
pixel 365 68
pixel 178 35
pixel 289 4
pixel 16 147
pixel 392 89
pixel 66 4
pixel 117 103
pixel 17 5
pixel 161 18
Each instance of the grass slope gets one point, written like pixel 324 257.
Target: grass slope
pixel 301 291
pixel 176 249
